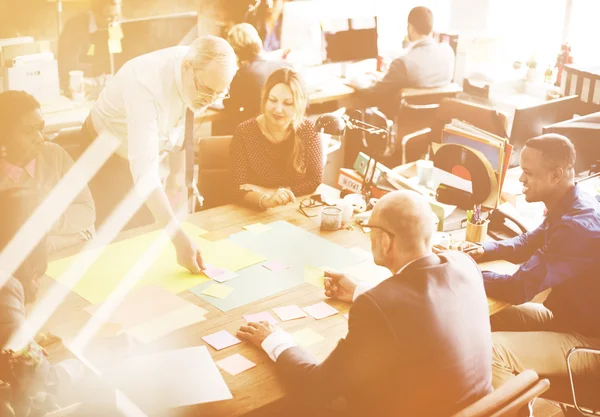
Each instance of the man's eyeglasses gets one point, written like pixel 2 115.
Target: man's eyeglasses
pixel 207 94
pixel 383 229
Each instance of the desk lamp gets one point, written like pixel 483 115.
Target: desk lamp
pixel 375 140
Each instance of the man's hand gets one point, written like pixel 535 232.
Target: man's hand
pixel 339 286
pixel 256 333
pixel 188 253
pixel 476 253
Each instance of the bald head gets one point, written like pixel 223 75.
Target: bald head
pixel 408 216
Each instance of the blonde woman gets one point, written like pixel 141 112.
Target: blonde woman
pixel 277 155
pixel 254 69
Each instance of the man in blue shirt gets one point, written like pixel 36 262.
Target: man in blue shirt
pixel 562 254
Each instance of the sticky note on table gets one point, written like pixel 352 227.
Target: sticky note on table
pixel 262 316
pixel 320 310
pixel 225 276
pixel 276 266
pixel 314 277
pixel 221 340
pixel 235 364
pixel 212 271
pixel 217 291
pixel 307 337
pixel 258 228
pixel 289 312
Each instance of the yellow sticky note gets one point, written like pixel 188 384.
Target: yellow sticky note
pixel 115 32
pixel 114 46
pixel 314 277
pixel 258 228
pixel 113 262
pixel 307 337
pixel 217 291
pixel 91 50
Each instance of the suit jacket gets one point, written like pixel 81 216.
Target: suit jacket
pixel 418 344
pixel 427 64
pixel 246 90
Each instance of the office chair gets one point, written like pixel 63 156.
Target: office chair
pixel 416 113
pixel 482 117
pixel 513 399
pixel 481 91
pixel 214 173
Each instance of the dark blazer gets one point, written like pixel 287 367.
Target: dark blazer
pixel 246 90
pixel 427 64
pixel 418 344
pixel 74 46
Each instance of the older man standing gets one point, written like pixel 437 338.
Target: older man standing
pixel 418 343
pixel 146 106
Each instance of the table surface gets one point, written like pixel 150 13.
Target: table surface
pixel 258 386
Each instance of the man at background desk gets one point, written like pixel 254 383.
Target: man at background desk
pixel 146 105
pixel 77 51
pixel 427 64
pixel 418 343
pixel 561 254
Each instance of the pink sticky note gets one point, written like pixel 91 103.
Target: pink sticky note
pixel 320 310
pixel 221 340
pixel 275 266
pixel 235 364
pixel 289 312
pixel 212 271
pixel 262 316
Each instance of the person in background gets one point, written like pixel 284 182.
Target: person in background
pixel 254 69
pixel 418 343
pixel 427 64
pixel 562 254
pixel 77 48
pixel 267 17
pixel 145 106
pixel 26 160
pixel 277 155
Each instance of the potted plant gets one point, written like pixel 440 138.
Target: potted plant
pixel 531 68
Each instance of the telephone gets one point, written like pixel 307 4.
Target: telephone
pixel 503 225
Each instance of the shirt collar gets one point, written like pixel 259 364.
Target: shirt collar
pixel 565 203
pixel 14 172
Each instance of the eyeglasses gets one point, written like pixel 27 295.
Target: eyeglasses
pixel 383 229
pixel 206 93
pixel 309 203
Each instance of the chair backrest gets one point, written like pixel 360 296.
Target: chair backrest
pixel 510 399
pixel 214 171
pixel 482 91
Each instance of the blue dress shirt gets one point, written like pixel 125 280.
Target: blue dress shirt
pixel 563 253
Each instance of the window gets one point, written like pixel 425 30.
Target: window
pixel 583 32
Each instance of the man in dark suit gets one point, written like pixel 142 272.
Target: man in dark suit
pixel 77 47
pixel 418 344
pixel 254 69
pixel 426 64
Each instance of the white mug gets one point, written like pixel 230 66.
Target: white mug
pixel 357 201
pixel 347 210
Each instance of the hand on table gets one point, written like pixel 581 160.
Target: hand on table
pixel 339 286
pixel 256 332
pixel 188 253
pixel 280 197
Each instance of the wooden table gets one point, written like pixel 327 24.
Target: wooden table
pixel 258 386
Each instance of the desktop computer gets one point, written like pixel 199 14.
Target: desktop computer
pixel 355 42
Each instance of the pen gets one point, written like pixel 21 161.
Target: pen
pixel 472 248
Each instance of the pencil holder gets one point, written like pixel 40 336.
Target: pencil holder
pixel 476 233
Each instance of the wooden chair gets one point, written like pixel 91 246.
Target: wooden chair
pixel 510 400
pixel 482 91
pixel 214 172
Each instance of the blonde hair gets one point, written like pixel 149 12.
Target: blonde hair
pixel 245 41
pixel 291 78
pixel 208 48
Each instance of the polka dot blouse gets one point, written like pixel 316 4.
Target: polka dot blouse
pixel 255 160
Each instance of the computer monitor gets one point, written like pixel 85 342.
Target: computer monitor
pixel 301 31
pixel 356 41
pixel 530 122
pixel 145 35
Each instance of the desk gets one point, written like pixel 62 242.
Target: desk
pixel 257 386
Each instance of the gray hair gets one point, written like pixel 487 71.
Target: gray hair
pixel 206 49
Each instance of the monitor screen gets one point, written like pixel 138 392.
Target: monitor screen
pixel 530 122
pixel 142 36
pixel 356 40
